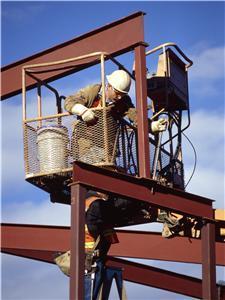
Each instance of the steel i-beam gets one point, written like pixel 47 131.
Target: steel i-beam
pixel 142 114
pixel 78 193
pixel 208 262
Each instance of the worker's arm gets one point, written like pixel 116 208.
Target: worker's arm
pixel 79 103
pixel 84 96
pixel 130 112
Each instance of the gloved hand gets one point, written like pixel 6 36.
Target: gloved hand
pixel 159 125
pixel 88 116
pixel 85 113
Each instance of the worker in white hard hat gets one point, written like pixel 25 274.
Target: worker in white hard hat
pixel 117 100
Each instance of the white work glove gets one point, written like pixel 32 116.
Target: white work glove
pixel 159 125
pixel 85 113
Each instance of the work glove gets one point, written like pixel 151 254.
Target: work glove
pixel 159 125
pixel 85 113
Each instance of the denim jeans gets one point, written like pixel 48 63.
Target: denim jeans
pixel 99 276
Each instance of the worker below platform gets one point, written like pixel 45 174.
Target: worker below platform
pixel 99 235
pixel 117 99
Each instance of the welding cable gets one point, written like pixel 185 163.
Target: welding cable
pixel 174 118
pixel 131 161
pixel 195 163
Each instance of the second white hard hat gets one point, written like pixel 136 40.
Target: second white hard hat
pixel 120 80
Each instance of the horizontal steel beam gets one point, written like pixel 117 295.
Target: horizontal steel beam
pixel 40 255
pixel 35 237
pixel 151 245
pixel 114 38
pixel 31 240
pixel 143 189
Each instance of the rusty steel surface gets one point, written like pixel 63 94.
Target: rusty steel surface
pixel 208 262
pixel 39 255
pixel 77 269
pixel 18 239
pixel 158 278
pixel 141 189
pixel 128 32
pixel 151 245
pixel 142 113
pixel 34 237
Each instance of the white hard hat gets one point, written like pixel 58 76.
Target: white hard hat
pixel 120 80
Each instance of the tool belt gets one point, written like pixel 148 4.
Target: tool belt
pixel 90 261
pixel 90 258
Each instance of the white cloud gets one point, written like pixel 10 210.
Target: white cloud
pixel 207 134
pixel 208 64
pixel 207 71
pixel 208 183
pixel 41 212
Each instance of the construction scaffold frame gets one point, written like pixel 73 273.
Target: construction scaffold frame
pixel 18 239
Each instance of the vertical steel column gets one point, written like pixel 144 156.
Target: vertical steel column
pixel 78 193
pixel 209 290
pixel 142 115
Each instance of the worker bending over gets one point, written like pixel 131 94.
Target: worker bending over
pixel 117 100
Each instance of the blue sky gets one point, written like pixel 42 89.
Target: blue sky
pixel 30 27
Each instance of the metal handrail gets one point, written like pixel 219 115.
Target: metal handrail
pixel 58 62
pixel 177 48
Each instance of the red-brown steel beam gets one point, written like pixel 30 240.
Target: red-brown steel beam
pixel 77 269
pixel 115 38
pixel 39 255
pixel 136 244
pixel 35 237
pixel 209 290
pixel 142 189
pixel 142 113
pixel 151 245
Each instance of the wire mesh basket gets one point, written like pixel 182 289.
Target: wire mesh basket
pixel 96 145
pixel 51 146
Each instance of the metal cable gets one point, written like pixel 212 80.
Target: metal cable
pixel 195 163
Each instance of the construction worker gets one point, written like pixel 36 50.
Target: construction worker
pixel 99 235
pixel 117 100
pixel 102 213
